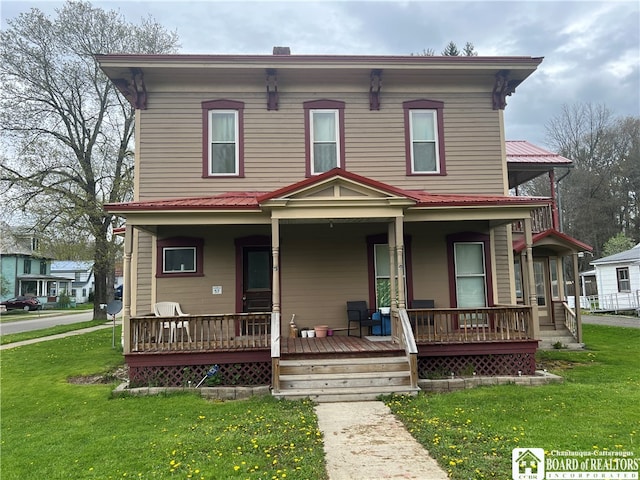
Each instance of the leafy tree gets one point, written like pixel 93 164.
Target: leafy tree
pixel 617 244
pixel 600 196
pixel 66 131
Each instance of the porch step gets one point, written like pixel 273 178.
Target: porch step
pixel 550 338
pixel 344 379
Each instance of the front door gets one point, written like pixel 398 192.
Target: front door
pixel 541 277
pixel 256 279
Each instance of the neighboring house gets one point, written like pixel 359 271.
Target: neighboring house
pixel 25 269
pixel 618 279
pixel 81 273
pixel 280 187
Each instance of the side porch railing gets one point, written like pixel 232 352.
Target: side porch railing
pixel 231 331
pixel 403 335
pixel 471 325
pixel 541 221
pixel 570 320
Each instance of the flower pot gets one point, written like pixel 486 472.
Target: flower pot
pixel 311 333
pixel 304 333
pixel 321 330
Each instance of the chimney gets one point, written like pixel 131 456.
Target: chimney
pixel 281 51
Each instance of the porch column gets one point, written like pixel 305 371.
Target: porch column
pixel 275 252
pixel 126 288
pixel 531 288
pixel 576 292
pixel 391 236
pixel 402 303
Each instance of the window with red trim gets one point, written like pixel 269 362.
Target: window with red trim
pixel 424 137
pixel 324 135
pixel 180 257
pixel 222 138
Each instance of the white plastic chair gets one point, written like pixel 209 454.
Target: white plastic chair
pixel 171 309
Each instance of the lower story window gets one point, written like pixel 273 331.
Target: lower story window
pixel 180 256
pixel 624 282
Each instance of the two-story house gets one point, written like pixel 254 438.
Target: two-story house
pixel 271 190
pixel 81 272
pixel 25 270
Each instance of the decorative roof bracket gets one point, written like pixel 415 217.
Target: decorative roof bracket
pixel 374 89
pixel 133 88
pixel 502 88
pixel 272 89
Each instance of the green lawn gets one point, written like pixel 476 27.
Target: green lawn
pixel 54 429
pixel 472 433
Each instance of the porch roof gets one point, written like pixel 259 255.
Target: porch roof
pixel 256 201
pixel 554 239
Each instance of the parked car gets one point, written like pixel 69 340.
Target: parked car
pixel 23 303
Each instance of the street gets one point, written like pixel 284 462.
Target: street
pixel 39 320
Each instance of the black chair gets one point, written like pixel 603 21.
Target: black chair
pixel 418 304
pixel 358 312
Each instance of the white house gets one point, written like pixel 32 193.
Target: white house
pixel 82 272
pixel 618 279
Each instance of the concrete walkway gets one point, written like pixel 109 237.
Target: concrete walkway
pixel 364 441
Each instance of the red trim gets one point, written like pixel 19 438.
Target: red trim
pixel 481 348
pixel 240 243
pixel 426 105
pixel 319 105
pixel 196 358
pixel 197 243
pixel 469 237
pixel 207 106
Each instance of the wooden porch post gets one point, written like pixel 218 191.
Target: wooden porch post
pixel 400 261
pixel 576 292
pixel 126 289
pixel 391 235
pixel 531 290
pixel 275 252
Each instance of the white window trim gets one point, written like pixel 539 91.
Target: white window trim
pixel 236 134
pixel 164 259
pixel 434 114
pixel 336 116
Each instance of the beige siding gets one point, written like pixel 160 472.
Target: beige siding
pixel 503 266
pixel 143 273
pixel 171 142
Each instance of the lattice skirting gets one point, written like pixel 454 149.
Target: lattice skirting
pixel 498 364
pixel 229 374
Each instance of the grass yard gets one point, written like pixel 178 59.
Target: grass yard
pixel 53 429
pixel 471 433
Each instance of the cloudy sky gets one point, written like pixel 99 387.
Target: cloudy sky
pixel 591 48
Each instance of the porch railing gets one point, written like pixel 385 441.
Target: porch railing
pixel 201 332
pixel 541 221
pixel 570 320
pixel 483 324
pixel 403 334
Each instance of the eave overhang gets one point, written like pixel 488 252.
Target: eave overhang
pixel 554 240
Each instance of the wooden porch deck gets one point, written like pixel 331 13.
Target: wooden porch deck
pixel 336 345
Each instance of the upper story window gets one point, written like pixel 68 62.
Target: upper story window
pixel 624 282
pixel 26 268
pixel 424 137
pixel 324 135
pixel 43 267
pixel 180 257
pixel 222 138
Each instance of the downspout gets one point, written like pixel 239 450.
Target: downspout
pixel 557 205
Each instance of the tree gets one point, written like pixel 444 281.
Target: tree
pixel 617 244
pixel 66 131
pixel 600 196
pixel 451 50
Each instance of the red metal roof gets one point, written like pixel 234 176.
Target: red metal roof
pixel 520 245
pixel 521 151
pixel 253 200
